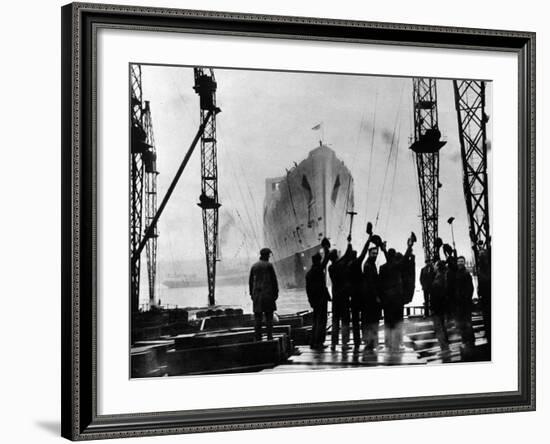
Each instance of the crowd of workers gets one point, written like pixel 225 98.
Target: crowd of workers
pixel 362 294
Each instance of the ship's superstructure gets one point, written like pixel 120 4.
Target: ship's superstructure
pixel 302 207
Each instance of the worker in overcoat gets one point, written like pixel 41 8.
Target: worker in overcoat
pixel 340 299
pixel 264 291
pixel 318 295
pixel 464 290
pixel 393 294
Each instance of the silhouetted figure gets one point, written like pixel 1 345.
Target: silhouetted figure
pixel 373 307
pixel 409 278
pixel 340 299
pixel 357 294
pixel 452 302
pixel 464 290
pixel 318 296
pixel 427 275
pixel 438 304
pixel 391 282
pixel 264 291
pixel 484 290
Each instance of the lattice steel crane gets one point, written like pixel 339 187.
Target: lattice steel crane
pixel 205 87
pixel 137 168
pixel 143 189
pixel 150 182
pixel 472 121
pixel 427 143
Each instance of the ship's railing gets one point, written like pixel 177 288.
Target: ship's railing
pixel 413 310
pixel 146 306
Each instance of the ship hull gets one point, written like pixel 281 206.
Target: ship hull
pixel 301 208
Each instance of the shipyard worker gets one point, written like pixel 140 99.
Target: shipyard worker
pixel 373 308
pixel 264 291
pixel 391 283
pixel 340 299
pixel 318 296
pixel 484 290
pixel 464 290
pixel 452 302
pixel 357 295
pixel 427 275
pixel 409 278
pixel 438 304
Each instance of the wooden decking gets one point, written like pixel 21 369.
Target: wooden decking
pixel 231 348
pixel 420 347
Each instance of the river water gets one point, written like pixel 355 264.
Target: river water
pixel 290 301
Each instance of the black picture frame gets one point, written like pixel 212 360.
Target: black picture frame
pixel 80 22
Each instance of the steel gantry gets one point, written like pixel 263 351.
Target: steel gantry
pixel 205 87
pixel 143 189
pixel 138 146
pixel 427 143
pixel 472 121
pixel 150 164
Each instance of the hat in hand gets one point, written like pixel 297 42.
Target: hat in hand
pixel 369 228
pixel 376 240
pixel 448 250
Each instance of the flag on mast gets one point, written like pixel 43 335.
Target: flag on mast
pixel 316 127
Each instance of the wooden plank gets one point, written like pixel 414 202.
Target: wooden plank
pixel 217 358
pixel 210 340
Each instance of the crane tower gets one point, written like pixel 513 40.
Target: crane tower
pixel 472 121
pixel 426 145
pixel 205 87
pixel 143 187
pixel 138 146
pixel 150 183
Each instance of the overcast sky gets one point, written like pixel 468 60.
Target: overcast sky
pixel 265 126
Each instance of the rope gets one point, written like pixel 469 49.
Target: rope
pixel 389 155
pixel 393 179
pixel 355 154
pixel 371 148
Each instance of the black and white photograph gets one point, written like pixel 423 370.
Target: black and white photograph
pixel 296 221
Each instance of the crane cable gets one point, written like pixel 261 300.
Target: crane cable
pixel 369 175
pixel 355 154
pixel 393 179
pixel 389 155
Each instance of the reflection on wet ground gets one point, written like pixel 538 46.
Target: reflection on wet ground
pixel 420 347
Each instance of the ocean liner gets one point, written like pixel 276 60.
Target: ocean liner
pixel 301 208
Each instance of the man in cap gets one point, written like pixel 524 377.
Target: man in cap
pixel 373 305
pixel 318 295
pixel 264 291
pixel 439 304
pixel 427 275
pixel 484 290
pixel 355 283
pixel 340 299
pixel 464 290
pixel 393 294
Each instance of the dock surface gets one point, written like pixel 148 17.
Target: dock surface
pixel 227 345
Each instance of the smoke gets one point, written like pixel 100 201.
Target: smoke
pixel 455 156
pixel 227 224
pixel 386 135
